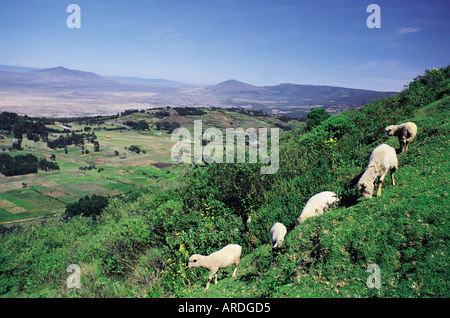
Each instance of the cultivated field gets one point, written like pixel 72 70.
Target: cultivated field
pixel 43 194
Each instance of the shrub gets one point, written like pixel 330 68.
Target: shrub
pixel 86 206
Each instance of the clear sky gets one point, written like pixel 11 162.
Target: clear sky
pixel 261 42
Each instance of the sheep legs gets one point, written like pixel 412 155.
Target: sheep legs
pixel 403 144
pixel 235 270
pixel 405 140
pixel 214 273
pixel 380 183
pixel 211 275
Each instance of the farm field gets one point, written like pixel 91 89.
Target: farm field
pixel 45 194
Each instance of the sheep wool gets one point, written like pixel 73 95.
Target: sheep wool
pixel 383 159
pixel 227 256
pixel 277 233
pixel 317 205
pixel 405 132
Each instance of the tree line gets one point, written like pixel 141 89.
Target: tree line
pixel 24 164
pixel 73 139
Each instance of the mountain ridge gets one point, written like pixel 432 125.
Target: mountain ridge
pixel 97 94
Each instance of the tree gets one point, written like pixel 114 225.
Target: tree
pixel 315 117
pixel 86 206
pixel 135 148
pixel 17 145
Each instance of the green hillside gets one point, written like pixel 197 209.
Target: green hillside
pixel 141 244
pixel 405 232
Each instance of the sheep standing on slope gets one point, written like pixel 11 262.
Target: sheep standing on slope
pixel 405 132
pixel 317 205
pixel 227 256
pixel 277 233
pixel 383 159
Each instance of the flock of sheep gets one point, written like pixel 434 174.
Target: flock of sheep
pixel 383 159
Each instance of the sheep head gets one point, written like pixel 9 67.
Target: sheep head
pixel 278 244
pixel 195 261
pixel 390 131
pixel 366 189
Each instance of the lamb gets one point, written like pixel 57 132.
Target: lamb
pixel 383 159
pixel 317 205
pixel 277 233
pixel 227 256
pixel 405 132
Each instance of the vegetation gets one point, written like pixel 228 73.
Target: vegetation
pixel 166 125
pixel 72 139
pixel 184 111
pixel 140 243
pixel 20 125
pixel 86 206
pixel 315 117
pixel 122 171
pixel 24 164
pixel 140 125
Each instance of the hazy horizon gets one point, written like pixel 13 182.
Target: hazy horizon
pixel 205 42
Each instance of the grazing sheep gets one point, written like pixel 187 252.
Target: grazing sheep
pixel 317 205
pixel 405 132
pixel 383 159
pixel 227 256
pixel 277 233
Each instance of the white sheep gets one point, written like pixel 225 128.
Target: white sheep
pixel 317 205
pixel 277 233
pixel 405 132
pixel 227 256
pixel 383 159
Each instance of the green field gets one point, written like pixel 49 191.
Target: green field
pixel 47 193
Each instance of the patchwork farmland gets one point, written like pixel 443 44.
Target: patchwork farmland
pixel 114 169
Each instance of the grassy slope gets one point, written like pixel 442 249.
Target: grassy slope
pixel 405 232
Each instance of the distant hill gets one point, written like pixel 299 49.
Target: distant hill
pixel 16 69
pixel 231 87
pixel 292 98
pixel 60 91
pixel 151 81
pixel 67 79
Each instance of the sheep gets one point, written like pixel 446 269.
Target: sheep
pixel 277 233
pixel 227 256
pixel 317 205
pixel 383 159
pixel 405 132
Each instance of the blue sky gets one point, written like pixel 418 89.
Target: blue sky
pixel 320 42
